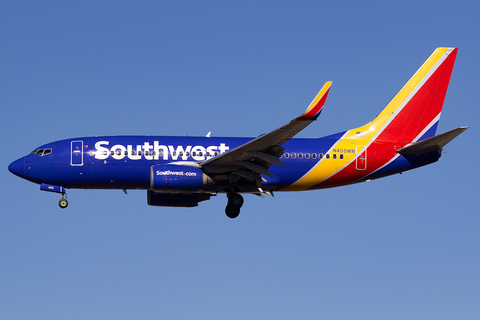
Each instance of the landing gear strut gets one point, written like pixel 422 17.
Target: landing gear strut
pixel 63 203
pixel 235 202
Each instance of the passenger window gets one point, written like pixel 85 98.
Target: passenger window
pixel 287 155
pixel 334 156
pixel 112 153
pixel 119 152
pixel 187 154
pixel 194 154
pixel 307 155
pixel 216 153
pixel 133 153
pixel 320 155
pixel 160 153
pixel 153 153
pixel 300 155
pixel 139 153
pixel 105 153
pixel 125 153
pixel 180 154
pixel 294 155
pixel 314 155
pixel 147 153
pixel 327 156
pixel 341 156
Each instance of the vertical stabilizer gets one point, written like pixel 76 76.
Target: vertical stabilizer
pixel 413 113
pixel 411 116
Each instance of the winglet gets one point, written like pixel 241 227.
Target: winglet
pixel 316 106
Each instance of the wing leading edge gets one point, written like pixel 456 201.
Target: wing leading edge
pixel 256 156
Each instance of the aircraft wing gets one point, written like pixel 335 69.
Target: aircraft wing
pixel 256 156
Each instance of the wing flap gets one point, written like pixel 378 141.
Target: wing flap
pixel 267 157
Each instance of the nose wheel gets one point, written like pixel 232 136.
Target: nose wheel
pixel 235 202
pixel 63 203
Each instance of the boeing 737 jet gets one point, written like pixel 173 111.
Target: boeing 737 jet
pixel 183 171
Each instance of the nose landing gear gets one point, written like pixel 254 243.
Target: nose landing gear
pixel 235 202
pixel 63 203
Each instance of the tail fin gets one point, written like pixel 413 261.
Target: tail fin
pixel 413 113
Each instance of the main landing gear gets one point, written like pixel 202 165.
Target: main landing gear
pixel 63 203
pixel 235 202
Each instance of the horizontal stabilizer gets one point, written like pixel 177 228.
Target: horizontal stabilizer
pixel 431 144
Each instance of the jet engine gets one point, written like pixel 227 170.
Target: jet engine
pixel 170 177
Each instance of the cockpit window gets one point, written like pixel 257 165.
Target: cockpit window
pixel 41 152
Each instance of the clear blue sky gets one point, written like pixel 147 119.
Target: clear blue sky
pixel 404 247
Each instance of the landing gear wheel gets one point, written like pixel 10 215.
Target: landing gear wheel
pixel 63 203
pixel 236 200
pixel 232 212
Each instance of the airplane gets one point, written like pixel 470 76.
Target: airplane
pixel 184 171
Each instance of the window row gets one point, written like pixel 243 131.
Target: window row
pixel 160 153
pixel 294 155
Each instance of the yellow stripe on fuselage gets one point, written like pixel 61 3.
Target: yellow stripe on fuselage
pixel 365 135
pixel 327 167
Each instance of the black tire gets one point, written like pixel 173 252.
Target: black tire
pixel 232 212
pixel 63 203
pixel 236 200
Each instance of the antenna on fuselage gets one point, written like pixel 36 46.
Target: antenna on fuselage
pixel 208 134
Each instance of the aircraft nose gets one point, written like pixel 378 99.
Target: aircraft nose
pixel 17 167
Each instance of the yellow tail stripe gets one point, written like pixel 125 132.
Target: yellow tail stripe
pixel 363 136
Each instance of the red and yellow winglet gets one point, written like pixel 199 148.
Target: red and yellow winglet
pixel 316 106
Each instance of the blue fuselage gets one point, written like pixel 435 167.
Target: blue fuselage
pixel 124 162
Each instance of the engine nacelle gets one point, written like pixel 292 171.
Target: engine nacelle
pixel 170 177
pixel 175 199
